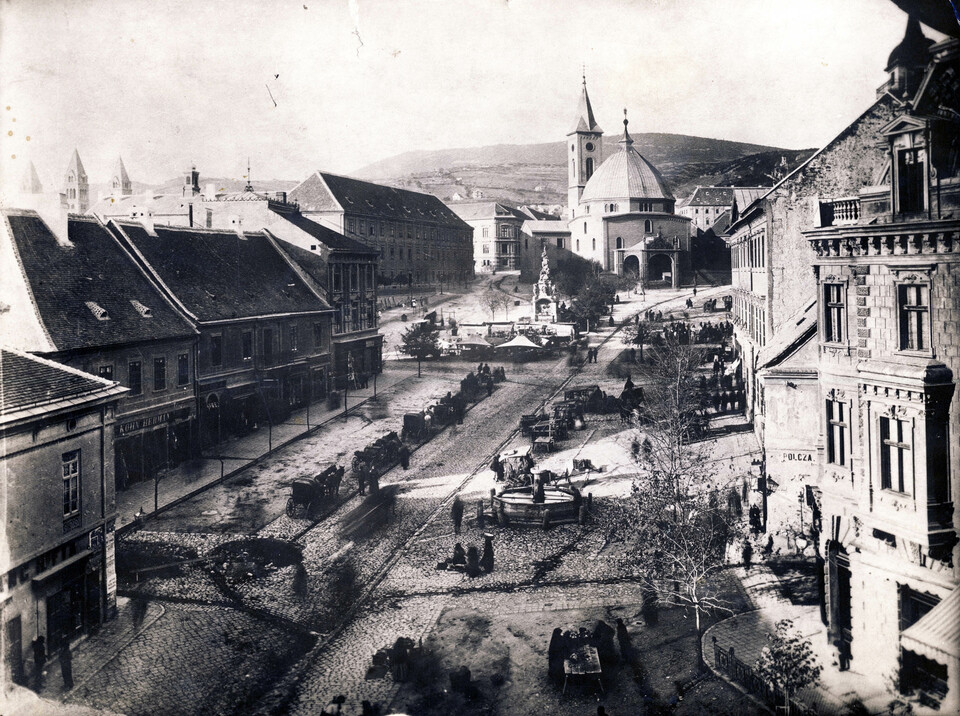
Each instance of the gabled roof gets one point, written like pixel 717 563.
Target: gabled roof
pixel 793 335
pixel 220 275
pixel 477 211
pixel 544 227
pixel 92 269
pixel 310 263
pixel 724 195
pixel 33 386
pixel 585 121
pixel 745 210
pixel 323 191
pixel 536 214
pixel 334 240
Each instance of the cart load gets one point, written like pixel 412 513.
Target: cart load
pixel 307 494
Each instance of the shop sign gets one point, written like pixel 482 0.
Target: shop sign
pixel 796 456
pixel 111 569
pixel 151 421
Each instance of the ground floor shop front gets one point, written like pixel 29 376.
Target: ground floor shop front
pixel 56 598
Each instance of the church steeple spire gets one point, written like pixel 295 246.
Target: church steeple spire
pixel 585 121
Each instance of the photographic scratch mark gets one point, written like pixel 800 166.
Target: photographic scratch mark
pixel 271 95
pixel 353 6
pixel 276 77
pixel 305 7
pixel 359 39
pixel 395 53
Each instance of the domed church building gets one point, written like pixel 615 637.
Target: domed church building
pixel 621 211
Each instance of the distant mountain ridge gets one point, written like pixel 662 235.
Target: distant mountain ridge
pixel 658 147
pixel 536 173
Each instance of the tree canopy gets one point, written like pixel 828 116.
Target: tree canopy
pixel 788 661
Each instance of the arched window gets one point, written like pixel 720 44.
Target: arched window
pixel 619 243
pixel 594 244
pixel 648 226
pixel 589 167
pixel 526 244
pixel 578 244
pixel 584 227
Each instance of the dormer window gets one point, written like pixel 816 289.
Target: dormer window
pixel 911 180
pixel 144 311
pixel 98 311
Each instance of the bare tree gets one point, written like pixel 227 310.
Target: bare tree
pixel 675 523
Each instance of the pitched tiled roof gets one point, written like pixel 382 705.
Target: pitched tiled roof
pixel 537 215
pixel 92 268
pixel 475 211
pixel 29 384
pixel 544 227
pixel 219 275
pixel 312 264
pixel 330 238
pixel 368 199
pixel 159 205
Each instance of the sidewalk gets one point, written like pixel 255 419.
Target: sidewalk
pixel 238 453
pixel 747 634
pixel 89 656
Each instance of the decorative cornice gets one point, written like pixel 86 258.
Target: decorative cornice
pixel 882 240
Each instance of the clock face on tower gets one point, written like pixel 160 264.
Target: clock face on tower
pixel 589 146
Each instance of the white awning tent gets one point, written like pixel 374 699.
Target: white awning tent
pixel 520 341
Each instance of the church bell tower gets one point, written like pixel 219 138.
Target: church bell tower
pixel 585 153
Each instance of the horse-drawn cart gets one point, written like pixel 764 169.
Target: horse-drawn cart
pixel 308 494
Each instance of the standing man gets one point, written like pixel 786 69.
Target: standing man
pixel 39 660
pixel 404 457
pixel 66 666
pixel 456 512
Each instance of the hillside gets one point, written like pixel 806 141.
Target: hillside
pixel 535 173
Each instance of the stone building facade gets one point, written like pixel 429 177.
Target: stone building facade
pixel 887 271
pixel 58 508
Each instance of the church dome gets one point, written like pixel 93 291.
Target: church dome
pixel 626 175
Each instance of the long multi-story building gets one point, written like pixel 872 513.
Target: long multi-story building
pixel 264 332
pixel 419 238
pixel 83 302
pixel 886 266
pixel 708 203
pixel 57 507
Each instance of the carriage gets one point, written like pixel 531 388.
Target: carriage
pixel 378 457
pixel 416 426
pixel 710 305
pixel 308 494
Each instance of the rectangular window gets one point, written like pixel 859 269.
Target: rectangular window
pixel 350 224
pixel 134 378
pixel 268 345
pixel 293 337
pixel 486 248
pixel 486 232
pixel 911 177
pixel 559 243
pixel 896 468
pixel 837 432
pixel 914 309
pixel 71 483
pixel 159 373
pixel 317 335
pixel 246 345
pixel 216 350
pixel 106 371
pixel 183 369
pixel 833 313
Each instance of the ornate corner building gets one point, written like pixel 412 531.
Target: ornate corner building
pixel 886 262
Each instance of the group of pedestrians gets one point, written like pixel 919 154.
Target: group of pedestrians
pixel 64 656
pixel 592 355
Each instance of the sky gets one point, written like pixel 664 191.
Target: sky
pixel 338 84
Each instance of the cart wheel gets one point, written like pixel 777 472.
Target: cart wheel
pixel 291 506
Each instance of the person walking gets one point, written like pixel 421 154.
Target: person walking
pixel 456 512
pixel 66 666
pixel 362 477
pixel 404 457
pixel 486 561
pixel 39 660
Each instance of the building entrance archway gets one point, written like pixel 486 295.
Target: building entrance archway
pixel 659 268
pixel 631 266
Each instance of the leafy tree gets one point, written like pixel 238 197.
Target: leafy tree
pixel 673 524
pixel 636 335
pixel 421 340
pixel 495 300
pixel 591 301
pixel 788 661
pixel 571 272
